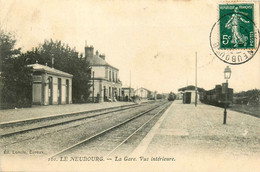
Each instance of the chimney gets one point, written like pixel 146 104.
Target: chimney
pixel 97 53
pixel 89 51
pixel 102 56
pixel 52 62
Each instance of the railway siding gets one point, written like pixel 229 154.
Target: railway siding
pixel 8 129
pixel 40 112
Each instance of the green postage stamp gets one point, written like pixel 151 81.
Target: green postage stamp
pixel 236 26
pixel 234 38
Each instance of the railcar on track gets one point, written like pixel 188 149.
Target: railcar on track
pixel 217 96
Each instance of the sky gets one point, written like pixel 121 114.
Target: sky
pixel 155 41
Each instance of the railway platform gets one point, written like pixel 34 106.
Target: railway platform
pixel 35 112
pixel 198 141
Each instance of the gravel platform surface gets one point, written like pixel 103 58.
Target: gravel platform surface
pixel 197 139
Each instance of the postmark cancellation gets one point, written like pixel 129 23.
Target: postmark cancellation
pixel 234 38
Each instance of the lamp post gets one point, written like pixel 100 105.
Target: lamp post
pixel 227 74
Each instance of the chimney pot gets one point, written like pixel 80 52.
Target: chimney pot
pixel 102 56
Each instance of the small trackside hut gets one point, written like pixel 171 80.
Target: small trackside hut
pixel 50 86
pixel 127 93
pixel 189 94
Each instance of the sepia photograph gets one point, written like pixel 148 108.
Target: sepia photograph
pixel 142 85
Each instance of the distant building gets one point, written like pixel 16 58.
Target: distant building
pixel 107 86
pixel 127 92
pixel 51 86
pixel 144 93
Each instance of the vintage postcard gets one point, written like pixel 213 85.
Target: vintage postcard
pixel 158 85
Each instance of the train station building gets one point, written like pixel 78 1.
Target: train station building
pixel 107 86
pixel 50 86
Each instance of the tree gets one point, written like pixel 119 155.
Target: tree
pixel 251 96
pixel 65 59
pixel 7 50
pixel 16 79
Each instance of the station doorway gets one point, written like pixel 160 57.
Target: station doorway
pixel 104 96
pixel 50 90
pixel 59 90
pixel 67 91
pixel 187 98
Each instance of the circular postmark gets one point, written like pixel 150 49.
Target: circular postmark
pixel 234 38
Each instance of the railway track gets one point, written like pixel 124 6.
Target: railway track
pixel 39 129
pixel 57 138
pixel 10 129
pixel 117 134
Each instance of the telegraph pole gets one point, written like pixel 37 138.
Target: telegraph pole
pixel 130 87
pixel 196 97
pixel 93 87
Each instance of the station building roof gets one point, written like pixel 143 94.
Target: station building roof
pixel 141 88
pixel 47 69
pixel 96 60
pixel 191 87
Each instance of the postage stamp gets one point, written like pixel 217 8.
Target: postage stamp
pixel 234 38
pixel 236 26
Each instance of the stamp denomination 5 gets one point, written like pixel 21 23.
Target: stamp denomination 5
pixel 234 38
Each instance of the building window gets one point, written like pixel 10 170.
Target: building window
pixel 113 77
pixel 106 73
pixel 109 75
pixel 109 91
